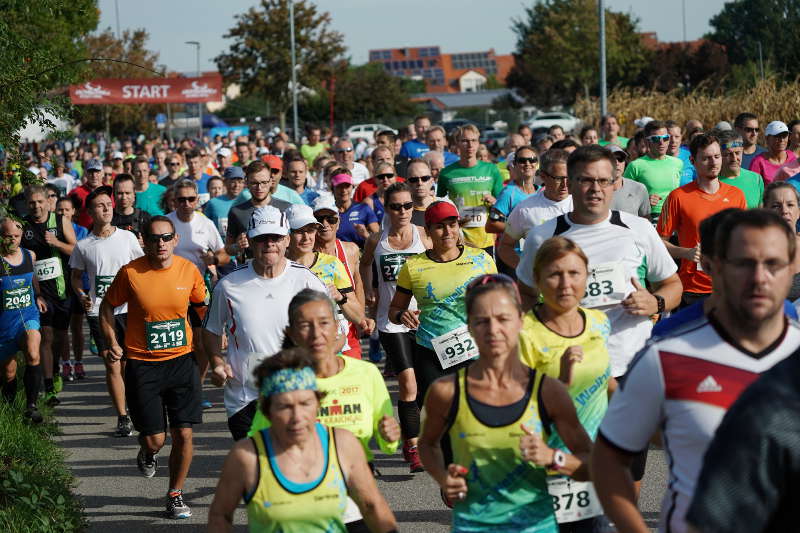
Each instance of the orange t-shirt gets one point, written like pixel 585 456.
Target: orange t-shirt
pixel 158 301
pixel 682 213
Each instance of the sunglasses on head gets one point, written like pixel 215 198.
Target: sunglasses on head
pixel 330 219
pixel 381 177
pixel 407 206
pixel 487 279
pixel 340 150
pixel 418 179
pixel 187 199
pixel 165 237
pixel 655 139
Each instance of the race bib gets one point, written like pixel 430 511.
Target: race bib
pixel 573 500
pixel 203 197
pixel 390 265
pixel 475 216
pixel 164 334
pixel 605 285
pixel 101 285
pixel 222 225
pixel 49 268
pixel 454 347
pixel 18 298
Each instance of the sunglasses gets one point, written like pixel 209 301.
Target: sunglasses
pixel 164 237
pixel 268 237
pixel 620 157
pixel 418 179
pixel 330 219
pixel 751 130
pixel 174 164
pixel 529 160
pixel 407 206
pixel 275 171
pixel 340 150
pixel 51 195
pixel 186 199
pixel 381 177
pixel 655 139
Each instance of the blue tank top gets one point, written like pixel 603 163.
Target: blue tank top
pixel 18 300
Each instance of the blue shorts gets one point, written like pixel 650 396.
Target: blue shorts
pixel 9 344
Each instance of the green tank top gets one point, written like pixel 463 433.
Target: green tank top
pixel 279 505
pixel 505 493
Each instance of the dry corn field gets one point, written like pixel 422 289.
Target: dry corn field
pixel 768 100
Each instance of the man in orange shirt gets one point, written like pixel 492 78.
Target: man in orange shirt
pixel 689 205
pixel 161 374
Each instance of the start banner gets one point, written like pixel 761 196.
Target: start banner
pixel 147 91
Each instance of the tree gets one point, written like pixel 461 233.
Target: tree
pixel 260 56
pixel 557 55
pixel 131 118
pixel 368 92
pixel 687 65
pixel 743 24
pixel 41 48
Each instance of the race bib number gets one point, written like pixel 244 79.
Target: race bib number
pixel 46 269
pixel 203 197
pixel 475 216
pixel 164 334
pixel 573 500
pixel 222 225
pixel 455 347
pixel 18 298
pixel 101 285
pixel 390 265
pixel 605 286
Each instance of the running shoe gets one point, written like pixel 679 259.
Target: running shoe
pixel 147 463
pixel 414 464
pixel 67 372
pixel 205 403
pixel 51 399
pixel 33 414
pixel 93 346
pixel 58 383
pixel 176 508
pixel 124 427
pixel 375 354
pixel 80 373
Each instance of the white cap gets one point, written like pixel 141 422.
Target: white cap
pixel 776 127
pixel 723 125
pixel 300 216
pixel 325 203
pixel 224 152
pixel 117 155
pixel 267 220
pixel 642 122
pixel 262 151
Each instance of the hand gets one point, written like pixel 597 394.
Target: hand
pixel 693 254
pixel 410 319
pixel 455 484
pixel 489 200
pixel 369 298
pixel 220 374
pixel 113 354
pixel 86 302
pixel 367 326
pixel 241 241
pixel 534 449
pixel 640 302
pixel 572 355
pixel 389 429
pixel 41 304
pixel 50 238
pixel 208 257
pixel 334 293
pixel 654 199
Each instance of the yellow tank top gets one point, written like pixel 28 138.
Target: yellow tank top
pixel 280 505
pixel 504 492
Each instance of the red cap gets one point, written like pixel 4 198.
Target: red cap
pixel 438 211
pixel 273 161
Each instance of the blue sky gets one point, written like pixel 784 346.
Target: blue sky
pixel 454 25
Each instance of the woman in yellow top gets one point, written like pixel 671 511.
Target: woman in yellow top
pixel 498 414
pixel 568 342
pixel 296 474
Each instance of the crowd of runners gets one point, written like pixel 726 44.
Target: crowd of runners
pixel 549 312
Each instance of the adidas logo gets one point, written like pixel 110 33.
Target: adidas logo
pixel 269 297
pixel 709 385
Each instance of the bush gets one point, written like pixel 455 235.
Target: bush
pixel 36 486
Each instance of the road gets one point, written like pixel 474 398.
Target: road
pixel 117 498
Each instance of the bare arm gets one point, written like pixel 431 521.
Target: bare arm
pixel 505 249
pixel 612 478
pixel 365 268
pixel 114 353
pixel 77 286
pixel 678 252
pixel 40 303
pixel 671 290
pixel 529 295
pixel 239 475
pixel 561 409
pixel 353 259
pixel 495 226
pixel 399 313
pixel 223 257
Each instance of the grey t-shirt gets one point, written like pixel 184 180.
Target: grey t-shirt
pixel 239 217
pixel 632 198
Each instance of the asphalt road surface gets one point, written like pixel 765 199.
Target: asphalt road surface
pixel 118 498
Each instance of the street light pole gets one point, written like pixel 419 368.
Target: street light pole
pixel 294 72
pixel 603 88
pixel 199 104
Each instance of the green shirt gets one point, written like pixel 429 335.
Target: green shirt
pixel 310 153
pixel 149 200
pixel 622 142
pixel 466 187
pixel 660 176
pixel 751 184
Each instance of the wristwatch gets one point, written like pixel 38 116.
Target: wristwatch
pixel 343 300
pixel 559 460
pixel 660 302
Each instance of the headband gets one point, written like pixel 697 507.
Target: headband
pixel 288 380
pixel 733 144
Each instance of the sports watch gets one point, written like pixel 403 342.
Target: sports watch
pixel 559 460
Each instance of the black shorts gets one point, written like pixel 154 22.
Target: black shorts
pixel 75 305
pixel 399 348
pixel 158 392
pixel 57 314
pixel 120 322
pixel 194 318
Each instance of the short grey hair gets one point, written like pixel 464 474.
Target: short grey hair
pixel 307 296
pixel 185 183
pixel 433 155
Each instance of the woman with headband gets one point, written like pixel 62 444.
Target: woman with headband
pixel 295 475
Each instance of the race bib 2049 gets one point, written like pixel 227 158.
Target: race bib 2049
pixel 18 298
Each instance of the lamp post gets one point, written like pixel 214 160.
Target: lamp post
pixel 603 85
pixel 199 104
pixel 294 72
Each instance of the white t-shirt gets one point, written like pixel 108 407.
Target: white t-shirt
pixel 533 211
pixel 196 237
pixel 683 384
pixel 101 259
pixel 360 173
pixel 253 311
pixel 629 243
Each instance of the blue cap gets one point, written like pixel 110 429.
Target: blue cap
pixel 233 173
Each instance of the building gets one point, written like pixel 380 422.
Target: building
pixel 445 73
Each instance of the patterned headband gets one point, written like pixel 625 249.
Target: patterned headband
pixel 289 379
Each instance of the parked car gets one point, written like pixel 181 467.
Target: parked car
pixel 543 121
pixel 493 139
pixel 366 131
pixel 450 125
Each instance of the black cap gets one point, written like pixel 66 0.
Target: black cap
pixel 103 189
